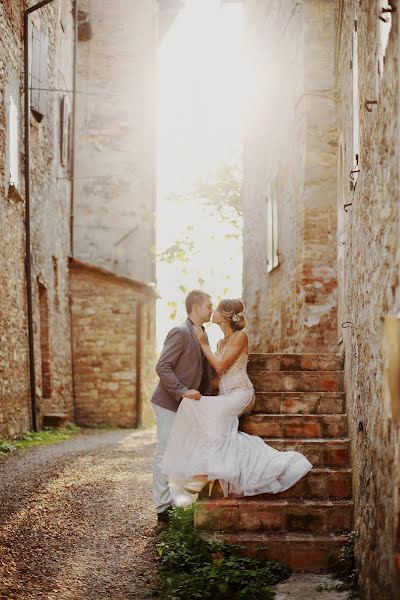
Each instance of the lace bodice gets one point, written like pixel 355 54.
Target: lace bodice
pixel 235 376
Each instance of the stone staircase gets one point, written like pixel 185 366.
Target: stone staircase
pixel 300 406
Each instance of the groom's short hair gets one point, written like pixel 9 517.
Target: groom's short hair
pixel 195 297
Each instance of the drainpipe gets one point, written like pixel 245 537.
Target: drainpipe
pixel 28 257
pixel 72 198
pixel 139 333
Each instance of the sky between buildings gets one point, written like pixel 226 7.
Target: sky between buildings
pixel 200 111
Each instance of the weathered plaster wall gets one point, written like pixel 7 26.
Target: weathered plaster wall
pixel 49 221
pixel 291 138
pixel 371 264
pixel 115 185
pixel 14 396
pixel 105 340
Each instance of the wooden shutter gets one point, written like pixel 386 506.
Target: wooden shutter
pixel 63 130
pixel 39 79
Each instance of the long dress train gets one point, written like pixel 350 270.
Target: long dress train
pixel 204 439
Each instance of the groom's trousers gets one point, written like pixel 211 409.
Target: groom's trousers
pixel 161 493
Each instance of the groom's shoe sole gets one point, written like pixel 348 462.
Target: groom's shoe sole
pixel 164 517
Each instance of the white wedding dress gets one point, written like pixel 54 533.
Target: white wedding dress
pixel 204 439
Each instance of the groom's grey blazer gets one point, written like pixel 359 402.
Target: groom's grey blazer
pixel 180 368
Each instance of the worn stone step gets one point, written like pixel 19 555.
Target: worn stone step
pixel 321 482
pixel 277 514
pixel 297 381
pixel 300 551
pixel 300 403
pixel 55 419
pixel 295 362
pixel 295 426
pixel 320 452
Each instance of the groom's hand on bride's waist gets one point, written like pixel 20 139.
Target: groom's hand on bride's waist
pixel 192 394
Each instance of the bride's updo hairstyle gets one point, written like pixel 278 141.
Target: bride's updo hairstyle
pixel 233 311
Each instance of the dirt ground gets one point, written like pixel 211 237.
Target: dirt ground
pixel 77 522
pixel 309 586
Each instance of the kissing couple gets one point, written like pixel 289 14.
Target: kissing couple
pixel 198 441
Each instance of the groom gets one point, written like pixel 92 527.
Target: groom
pixel 184 372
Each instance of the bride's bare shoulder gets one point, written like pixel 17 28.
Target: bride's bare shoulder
pixel 242 340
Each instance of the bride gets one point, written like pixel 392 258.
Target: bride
pixel 205 445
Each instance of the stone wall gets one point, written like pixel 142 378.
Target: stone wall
pixel 50 196
pixel 291 143
pixel 370 274
pixel 108 315
pixel 115 152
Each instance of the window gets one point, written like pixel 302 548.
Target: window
pixel 55 281
pixel 38 74
pixel 44 340
pixel 272 227
pixel 356 107
pixel 384 27
pixel 13 131
pixel 63 131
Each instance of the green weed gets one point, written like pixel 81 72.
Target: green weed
pixel 193 569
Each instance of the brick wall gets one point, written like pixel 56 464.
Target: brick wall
pixel 105 330
pixel 370 276
pixel 50 195
pixel 291 140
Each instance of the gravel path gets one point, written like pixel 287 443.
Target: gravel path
pixel 77 520
pixel 77 523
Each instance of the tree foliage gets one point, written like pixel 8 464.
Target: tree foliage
pixel 220 195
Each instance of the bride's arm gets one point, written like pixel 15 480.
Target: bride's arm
pixel 232 350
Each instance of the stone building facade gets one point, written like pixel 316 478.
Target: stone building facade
pixel 51 69
pixel 114 196
pixel 290 177
pixel 109 154
pixel 367 68
pixel 322 165
pixel 113 322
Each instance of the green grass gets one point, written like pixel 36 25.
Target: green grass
pixel 48 435
pixel 191 568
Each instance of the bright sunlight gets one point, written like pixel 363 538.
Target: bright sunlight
pixel 200 123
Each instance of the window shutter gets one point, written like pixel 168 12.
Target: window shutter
pixel 63 133
pixel 272 227
pixel 43 74
pixel 35 69
pixel 38 79
pixel 13 142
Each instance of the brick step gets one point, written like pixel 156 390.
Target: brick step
pixel 297 381
pixel 320 452
pixel 300 551
pixel 55 419
pixel 283 515
pixel 321 482
pixel 295 426
pixel 295 362
pixel 300 403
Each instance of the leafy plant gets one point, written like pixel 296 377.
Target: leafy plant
pixel 344 566
pixel 220 194
pixel 48 435
pixel 192 568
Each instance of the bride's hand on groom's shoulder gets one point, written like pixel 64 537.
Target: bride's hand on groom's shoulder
pixel 201 336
